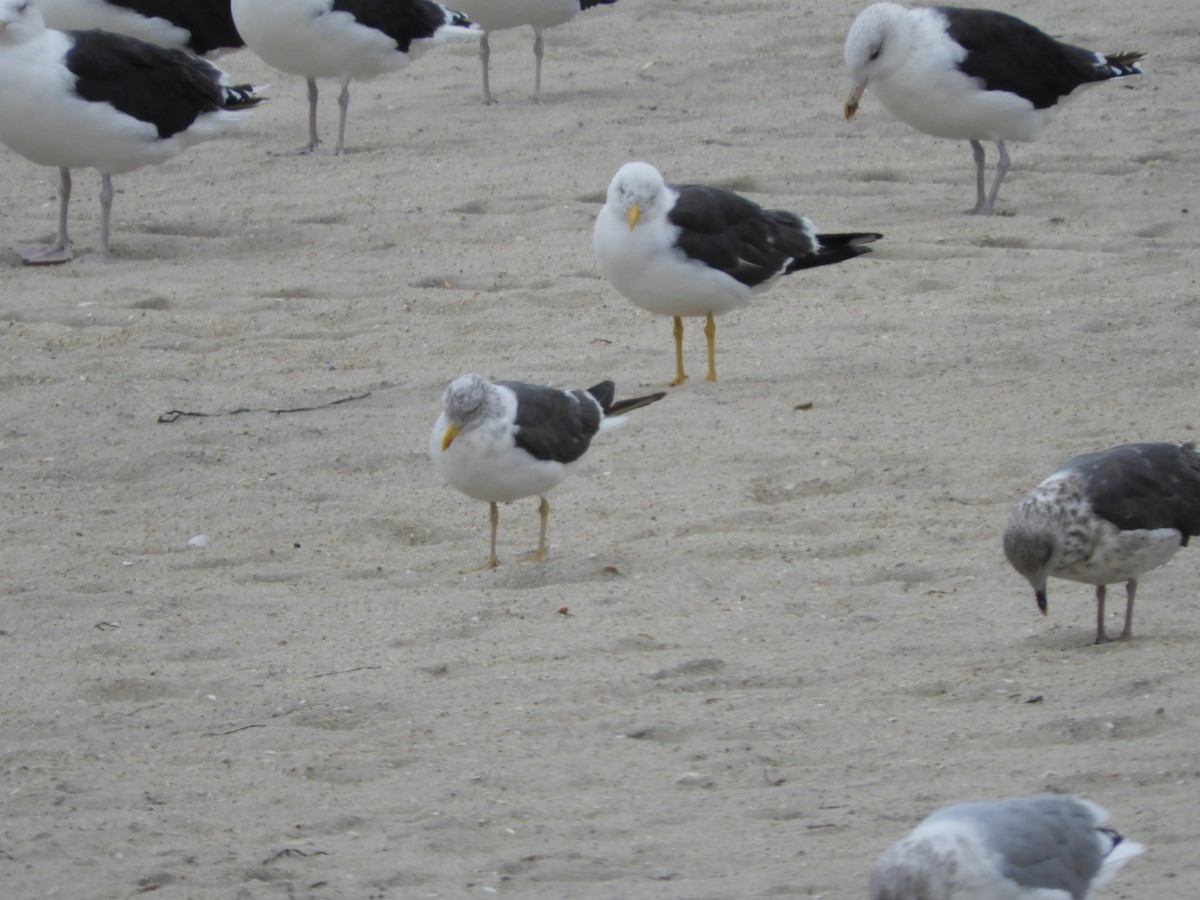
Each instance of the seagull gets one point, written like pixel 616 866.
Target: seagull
pixel 104 101
pixel 1031 848
pixel 343 39
pixel 970 74
pixel 690 250
pixel 496 15
pixel 1107 517
pixel 205 27
pixel 504 440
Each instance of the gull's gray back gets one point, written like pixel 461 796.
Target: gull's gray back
pixel 1043 842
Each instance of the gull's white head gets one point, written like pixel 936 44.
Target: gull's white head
pixel 878 43
pixel 20 20
pixel 636 192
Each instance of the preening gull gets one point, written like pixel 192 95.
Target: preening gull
pixel 344 39
pixel 497 15
pixel 91 99
pixel 1107 517
pixel 970 74
pixel 504 440
pixel 690 250
pixel 1032 848
pixel 204 27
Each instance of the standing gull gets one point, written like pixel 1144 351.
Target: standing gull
pixel 497 15
pixel 1032 848
pixel 73 99
pixel 343 39
pixel 1107 517
pixel 504 440
pixel 970 74
pixel 205 27
pixel 690 250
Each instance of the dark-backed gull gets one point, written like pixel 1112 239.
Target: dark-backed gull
pixel 497 15
pixel 343 39
pixel 504 440
pixel 690 250
pixel 91 99
pixel 970 74
pixel 203 26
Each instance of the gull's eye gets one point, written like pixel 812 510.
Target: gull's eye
pixel 875 53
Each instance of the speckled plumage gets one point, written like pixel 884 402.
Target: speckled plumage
pixel 1105 518
pixel 1028 848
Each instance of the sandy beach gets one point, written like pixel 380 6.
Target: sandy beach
pixel 776 627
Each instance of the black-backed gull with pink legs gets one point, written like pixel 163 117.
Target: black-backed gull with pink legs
pixel 497 15
pixel 92 99
pixel 344 39
pixel 970 74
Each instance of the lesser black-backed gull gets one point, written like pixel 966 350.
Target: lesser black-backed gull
pixel 203 26
pixel 91 99
pixel 504 440
pixel 497 15
pixel 970 74
pixel 1029 848
pixel 690 250
pixel 343 39
pixel 1107 517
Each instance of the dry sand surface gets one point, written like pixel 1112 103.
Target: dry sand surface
pixel 770 637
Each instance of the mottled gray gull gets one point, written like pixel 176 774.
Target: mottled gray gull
pixel 1105 518
pixel 970 74
pixel 504 440
pixel 1031 848
pixel 691 250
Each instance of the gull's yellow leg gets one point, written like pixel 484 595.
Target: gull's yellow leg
pixel 539 555
pixel 710 332
pixel 492 561
pixel 680 377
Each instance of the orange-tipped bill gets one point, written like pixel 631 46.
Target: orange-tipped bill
pixel 635 213
pixel 853 99
pixel 452 432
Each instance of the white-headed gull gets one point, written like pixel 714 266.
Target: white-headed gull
pixel 690 250
pixel 970 74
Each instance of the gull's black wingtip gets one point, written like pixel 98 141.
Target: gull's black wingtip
pixel 624 406
pixel 242 96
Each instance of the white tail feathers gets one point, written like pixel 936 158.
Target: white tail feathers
pixel 1122 852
